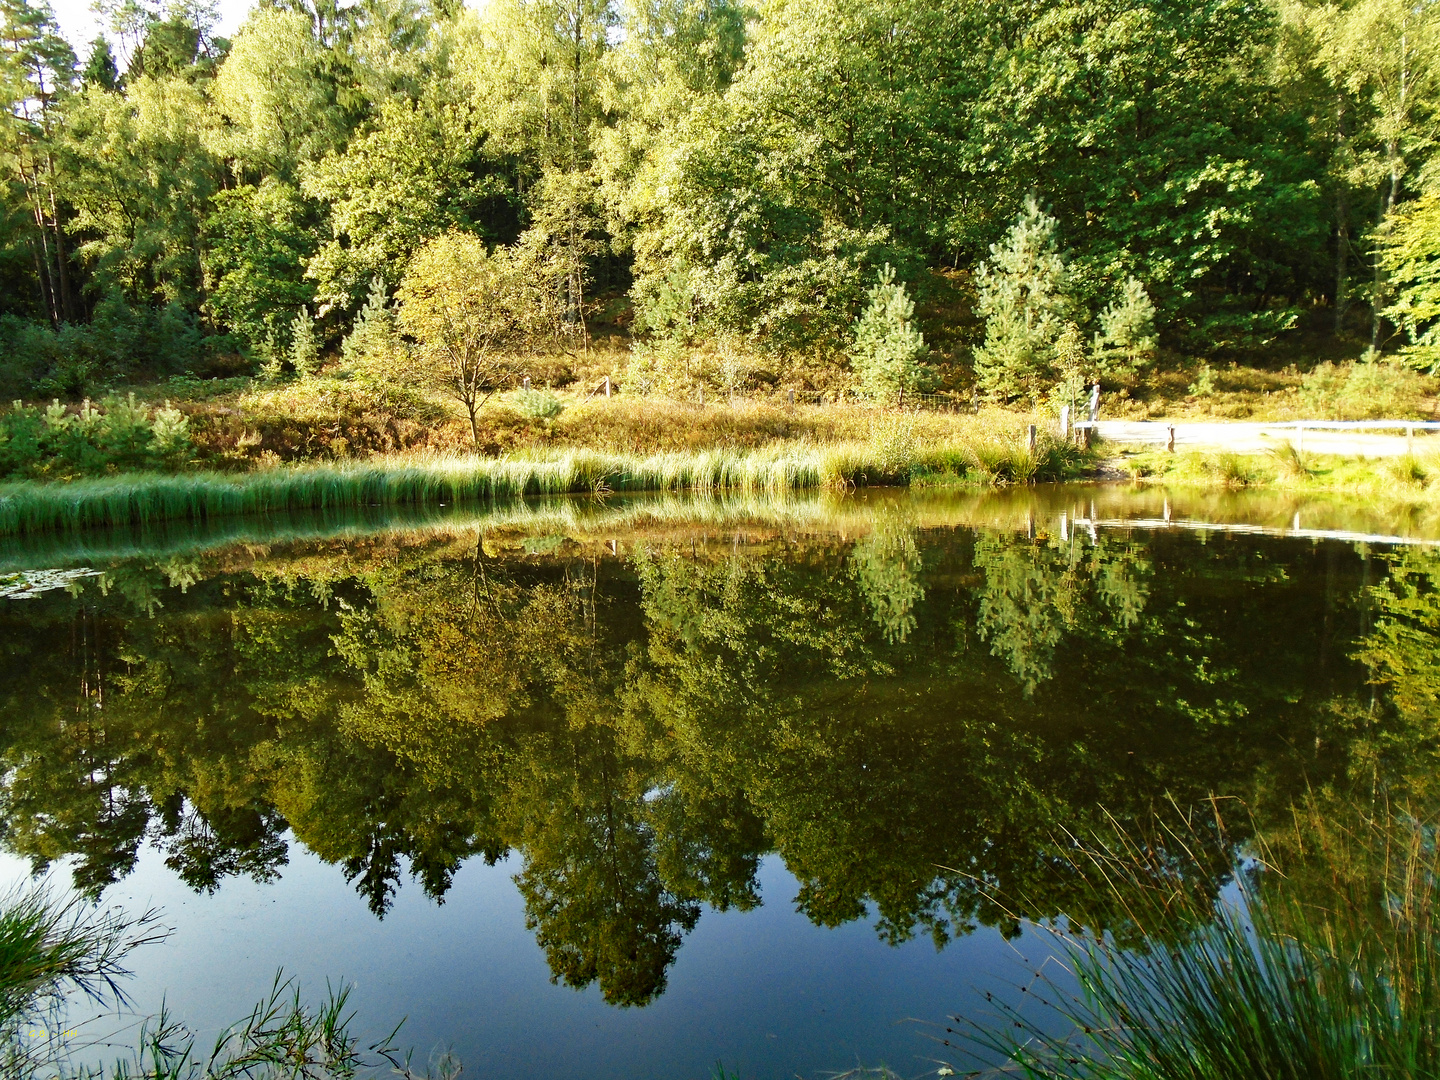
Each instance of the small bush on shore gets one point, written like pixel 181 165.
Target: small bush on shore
pixel 119 435
pixel 1363 390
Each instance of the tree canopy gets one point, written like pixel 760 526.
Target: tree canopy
pixel 1218 174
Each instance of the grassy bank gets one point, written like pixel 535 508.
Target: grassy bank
pixel 238 423
pixel 1410 478
pixel 894 457
pixel 330 419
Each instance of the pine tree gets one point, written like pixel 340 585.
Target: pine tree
pixel 1023 297
pixel 890 351
pixel 100 69
pixel 1127 329
pixel 304 350
pixel 371 343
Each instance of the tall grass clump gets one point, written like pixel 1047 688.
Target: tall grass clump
pixel 53 949
pixel 145 499
pixel 58 954
pixel 1407 470
pixel 1232 470
pixel 283 1038
pixel 1291 462
pixel 1322 962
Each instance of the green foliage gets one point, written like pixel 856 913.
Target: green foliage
pixel 1324 966
pixel 304 346
pixel 120 343
pixel 739 172
pixel 415 174
pixel 1024 298
pixel 1411 254
pixel 372 344
pixel 1127 329
pixel 1363 390
pixel 258 239
pixel 889 350
pixel 121 435
pixel 536 404
pixel 139 181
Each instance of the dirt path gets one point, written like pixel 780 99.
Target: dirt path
pixel 1257 438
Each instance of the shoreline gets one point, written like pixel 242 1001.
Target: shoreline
pixel 414 483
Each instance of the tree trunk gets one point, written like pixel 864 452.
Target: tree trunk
pixel 473 409
pixel 1342 260
pixel 1342 227
pixel 1388 199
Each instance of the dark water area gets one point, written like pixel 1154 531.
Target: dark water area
pixel 626 788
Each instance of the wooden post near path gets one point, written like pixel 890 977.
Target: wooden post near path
pixel 1064 423
pixel 1030 440
pixel 607 385
pixel 1170 438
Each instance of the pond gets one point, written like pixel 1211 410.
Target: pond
pixel 629 787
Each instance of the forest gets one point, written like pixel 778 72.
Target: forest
pixel 1005 198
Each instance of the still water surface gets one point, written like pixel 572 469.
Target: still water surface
pixel 626 788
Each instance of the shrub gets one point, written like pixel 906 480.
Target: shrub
pixel 120 435
pixel 536 404
pixel 1364 390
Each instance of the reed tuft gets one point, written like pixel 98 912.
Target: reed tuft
pixel 416 481
pixel 1323 963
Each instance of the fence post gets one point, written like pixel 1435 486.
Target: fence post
pixel 1094 402
pixel 901 402
pixel 527 382
pixel 1030 440
pixel 1064 423
pixel 1170 438
pixel 791 395
pixel 607 385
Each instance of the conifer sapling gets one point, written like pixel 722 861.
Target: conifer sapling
pixel 304 349
pixel 890 350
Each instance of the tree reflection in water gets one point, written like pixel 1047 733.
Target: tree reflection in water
pixel 641 729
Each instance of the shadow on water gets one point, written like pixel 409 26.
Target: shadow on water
pixel 907 698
